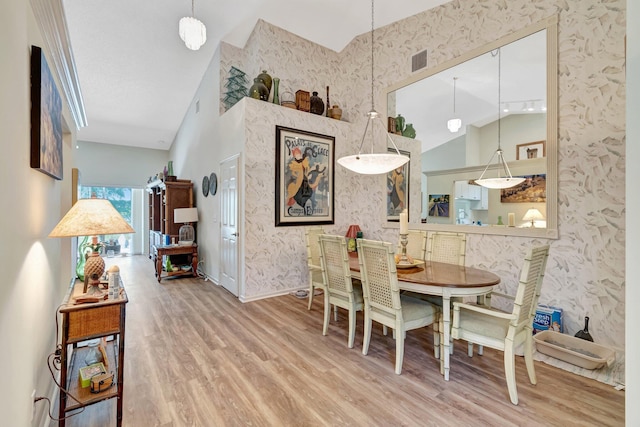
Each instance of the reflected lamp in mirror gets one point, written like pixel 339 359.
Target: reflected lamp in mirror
pixel 454 124
pixel 192 31
pixel 533 215
pixel 92 217
pixel 185 216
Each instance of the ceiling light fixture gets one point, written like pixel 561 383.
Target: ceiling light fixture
pixel 508 180
pixel 192 32
pixel 373 163
pixel 454 124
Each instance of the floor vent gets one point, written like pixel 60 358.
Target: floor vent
pixel 419 61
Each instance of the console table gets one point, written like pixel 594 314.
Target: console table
pixel 180 256
pixel 82 322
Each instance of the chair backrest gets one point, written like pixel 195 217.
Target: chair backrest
pixel 379 277
pixel 416 244
pixel 446 247
pixel 313 247
pixel 529 285
pixel 334 260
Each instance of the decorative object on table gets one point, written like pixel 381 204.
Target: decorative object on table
pixel 303 101
pixel 351 236
pixel 532 190
pixel 114 282
pixel 192 32
pixel 511 219
pixel 170 167
pixel 328 114
pixel 84 246
pixel 506 181
pixel 259 90
pixel 533 215
pixel 399 124
pixel 404 260
pixel 531 150
pixel 266 79
pixel 288 100
pixel 455 123
pixel 397 189
pixel 391 125
pixel 205 185
pixel 168 267
pixel 335 112
pixel 93 354
pixel 500 220
pixel 92 217
pixel 583 353
pixel 371 163
pixel 409 131
pixel 186 216
pixel 236 86
pixel 304 180
pixel 86 372
pixel 213 184
pixel 316 104
pixel 275 96
pixel 439 206
pixel 46 118
pixel 584 334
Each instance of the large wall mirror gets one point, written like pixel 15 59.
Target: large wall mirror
pixel 504 94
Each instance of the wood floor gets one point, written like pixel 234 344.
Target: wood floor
pixel 196 356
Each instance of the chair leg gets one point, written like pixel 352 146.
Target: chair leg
pixel 311 291
pixel 470 349
pixel 335 313
pixel 480 350
pixel 367 334
pixel 436 340
pixel 327 314
pixel 399 350
pixel 385 331
pixel 352 326
pixel 510 373
pixel 528 359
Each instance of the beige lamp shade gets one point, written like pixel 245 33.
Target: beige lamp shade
pixel 91 217
pixel 185 215
pixel 532 215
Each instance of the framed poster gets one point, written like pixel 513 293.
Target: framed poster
pixel 530 150
pixel 304 177
pixel 398 189
pixel 532 190
pixel 46 118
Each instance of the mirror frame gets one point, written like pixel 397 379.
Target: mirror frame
pixel 549 24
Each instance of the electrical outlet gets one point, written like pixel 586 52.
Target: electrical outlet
pixel 33 404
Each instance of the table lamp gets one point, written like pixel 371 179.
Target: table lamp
pixel 92 217
pixel 185 216
pixel 532 215
pixel 352 235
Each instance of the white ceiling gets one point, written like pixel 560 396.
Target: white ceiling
pixel 137 77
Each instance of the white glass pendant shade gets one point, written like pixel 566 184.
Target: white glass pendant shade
pixel 454 125
pixel 373 163
pixel 507 181
pixel 192 32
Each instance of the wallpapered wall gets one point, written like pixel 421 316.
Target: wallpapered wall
pixel 585 273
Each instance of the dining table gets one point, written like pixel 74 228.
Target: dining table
pixel 444 280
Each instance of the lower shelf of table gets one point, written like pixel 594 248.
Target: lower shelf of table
pixel 84 395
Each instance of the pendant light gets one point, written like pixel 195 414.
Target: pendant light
pixel 192 32
pixel 454 124
pixel 508 180
pixel 373 163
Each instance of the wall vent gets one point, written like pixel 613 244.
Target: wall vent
pixel 419 61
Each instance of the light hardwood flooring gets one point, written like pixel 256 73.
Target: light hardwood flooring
pixel 196 356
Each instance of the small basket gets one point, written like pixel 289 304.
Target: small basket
pixel 287 100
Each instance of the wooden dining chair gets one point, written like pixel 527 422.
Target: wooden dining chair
pixel 339 289
pixel 416 244
pixel 383 301
pixel 313 261
pixel 504 331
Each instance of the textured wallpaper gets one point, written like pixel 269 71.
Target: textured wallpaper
pixel 585 273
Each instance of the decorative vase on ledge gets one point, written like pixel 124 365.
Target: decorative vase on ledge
pixel 259 90
pixel 317 105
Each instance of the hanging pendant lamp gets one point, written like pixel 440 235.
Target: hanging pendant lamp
pixel 373 163
pixel 507 181
pixel 454 124
pixel 192 32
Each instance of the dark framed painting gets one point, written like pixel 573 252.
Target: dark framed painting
pixel 439 205
pixel 398 189
pixel 46 118
pixel 532 190
pixel 304 177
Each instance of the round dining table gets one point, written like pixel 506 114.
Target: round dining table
pixel 444 280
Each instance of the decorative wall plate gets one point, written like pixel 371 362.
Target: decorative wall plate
pixel 213 184
pixel 205 186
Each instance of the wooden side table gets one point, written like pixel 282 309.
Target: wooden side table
pixel 189 255
pixel 84 322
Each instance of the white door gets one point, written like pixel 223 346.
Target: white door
pixel 229 248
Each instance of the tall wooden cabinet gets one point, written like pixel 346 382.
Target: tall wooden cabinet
pixel 164 197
